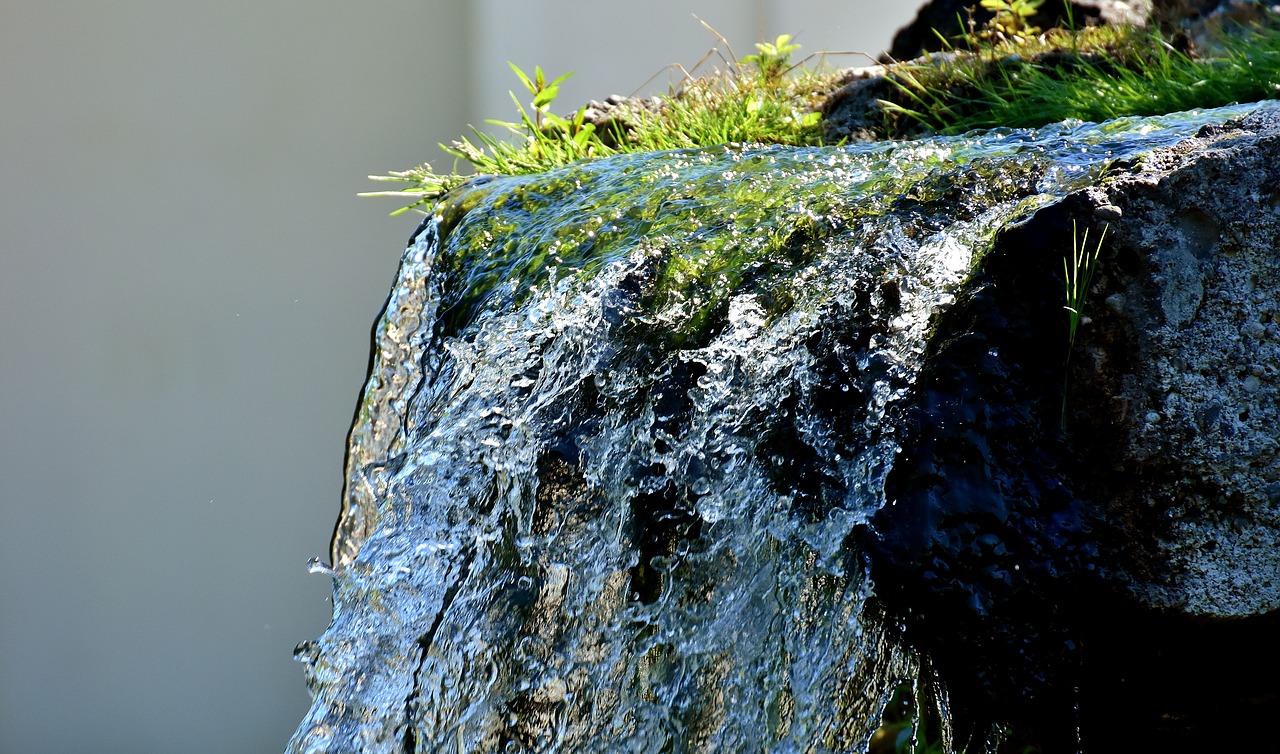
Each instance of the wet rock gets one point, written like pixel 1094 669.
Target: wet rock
pixel 852 111
pixel 1069 527
pixel 616 117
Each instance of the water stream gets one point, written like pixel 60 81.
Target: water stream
pixel 622 424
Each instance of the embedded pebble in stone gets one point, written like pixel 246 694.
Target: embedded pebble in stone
pixel 1108 213
pixel 1251 384
pixel 1254 329
pixel 1115 303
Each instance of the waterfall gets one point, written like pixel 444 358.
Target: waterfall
pixel 626 426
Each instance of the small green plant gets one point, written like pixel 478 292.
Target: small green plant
pixel 1077 274
pixel 753 100
pixel 1012 19
pixel 772 59
pixel 540 140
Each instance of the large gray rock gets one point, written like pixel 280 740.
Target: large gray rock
pixel 1177 371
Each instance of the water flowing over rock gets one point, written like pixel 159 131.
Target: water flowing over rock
pixel 710 450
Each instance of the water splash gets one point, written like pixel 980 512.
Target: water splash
pixel 316 565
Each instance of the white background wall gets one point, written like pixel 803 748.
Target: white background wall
pixel 616 47
pixel 187 282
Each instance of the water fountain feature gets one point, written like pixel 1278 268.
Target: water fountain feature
pixel 639 433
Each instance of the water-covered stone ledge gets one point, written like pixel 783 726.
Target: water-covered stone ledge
pixel 753 448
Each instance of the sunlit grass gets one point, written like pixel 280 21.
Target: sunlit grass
pixel 1091 75
pixel 989 79
pixel 759 99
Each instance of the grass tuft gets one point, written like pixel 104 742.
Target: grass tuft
pixel 1093 74
pixel 762 98
pixel 1077 275
pixel 1001 75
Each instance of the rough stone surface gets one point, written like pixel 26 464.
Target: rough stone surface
pixel 1097 527
pixel 616 115
pixel 852 111
pixel 1179 368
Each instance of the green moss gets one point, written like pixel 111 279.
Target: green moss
pixel 698 226
pixel 741 218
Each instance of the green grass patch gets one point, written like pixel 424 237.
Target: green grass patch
pixel 762 99
pixel 1093 74
pixel 1006 74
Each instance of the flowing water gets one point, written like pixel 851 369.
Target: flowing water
pixel 621 426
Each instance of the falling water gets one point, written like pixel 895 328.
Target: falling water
pixel 623 422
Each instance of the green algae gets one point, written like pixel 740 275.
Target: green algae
pixel 710 223
pixel 716 221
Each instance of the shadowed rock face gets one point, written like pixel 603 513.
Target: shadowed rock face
pixel 723 449
pixel 1089 537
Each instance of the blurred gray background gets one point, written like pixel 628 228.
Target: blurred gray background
pixel 187 288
